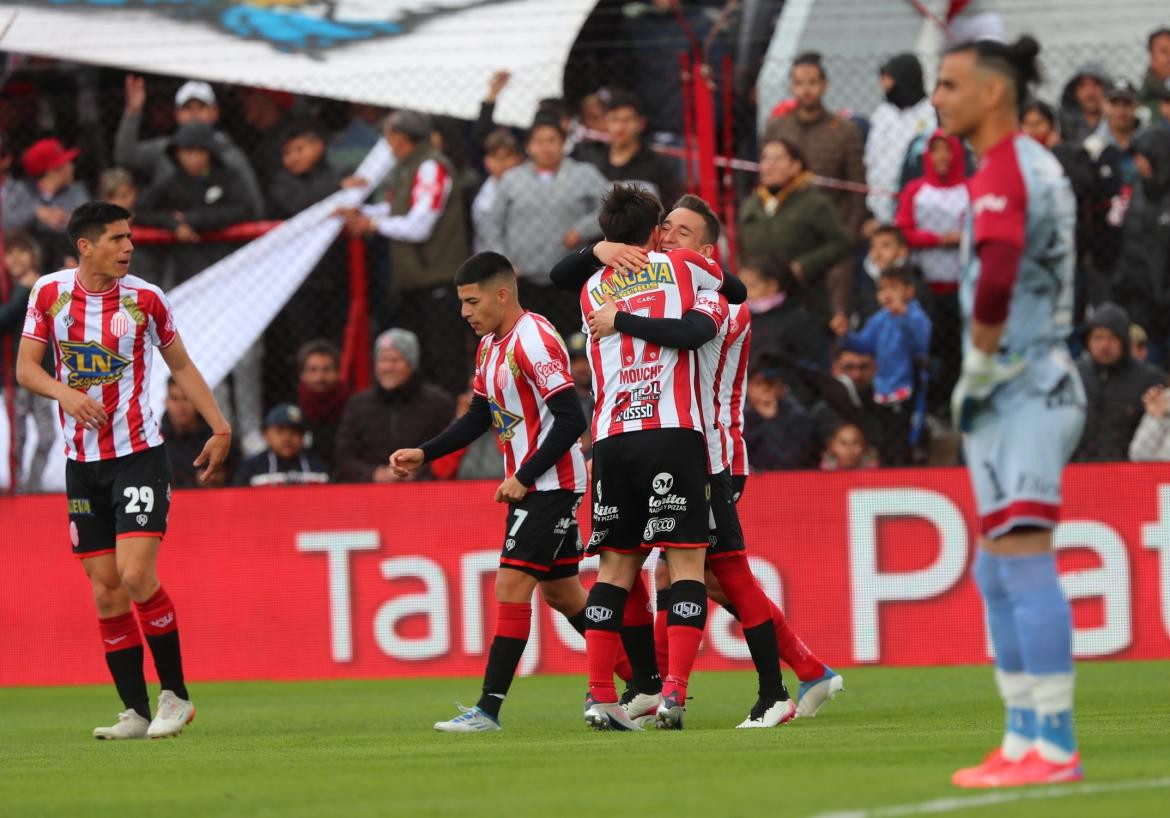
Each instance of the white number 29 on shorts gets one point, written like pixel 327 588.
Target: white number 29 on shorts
pixel 139 494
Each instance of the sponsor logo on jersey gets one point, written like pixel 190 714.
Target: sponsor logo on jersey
pixel 622 285
pixel 167 619
pixel 119 324
pixel 658 525
pixel 545 370
pixel 639 374
pixel 662 483
pixel 598 537
pixel 63 299
pixel 136 314
pixel 599 613
pixel 505 422
pixel 91 364
pixel 604 514
pixel 686 610
pixel 513 367
pixel 671 502
pixel 80 506
pixel 35 315
pixel 510 543
pixel 989 203
pixel 638 404
pixel 67 321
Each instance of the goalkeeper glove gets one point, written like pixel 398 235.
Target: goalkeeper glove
pixel 982 374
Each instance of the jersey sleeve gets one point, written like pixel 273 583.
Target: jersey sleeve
pixel 999 202
pixel 160 320
pixel 712 305
pixel 544 360
pixel 37 324
pixel 479 382
pixel 706 274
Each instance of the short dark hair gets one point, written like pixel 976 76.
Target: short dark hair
pixel 1163 31
pixel 1016 61
pixel 90 219
pixel 903 273
pixel 301 126
pixel 697 204
pixel 1041 107
pixel 553 105
pixel 629 214
pixel 24 240
pixel 621 98
pixel 793 150
pixel 779 269
pixel 484 267
pixel 317 346
pixel 498 140
pixel 546 119
pixel 893 231
pixel 812 58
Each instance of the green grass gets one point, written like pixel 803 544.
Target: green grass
pixel 366 749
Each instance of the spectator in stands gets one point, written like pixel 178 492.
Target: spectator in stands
pixel 202 196
pixel 480 460
pixel 1157 72
pixel 501 153
pixel 583 383
pixel 787 216
pixel 1151 441
pixel 425 220
pixel 322 395
pixel 266 112
pixel 629 158
pixel 1114 385
pixel 776 428
pixel 905 114
pixel 151 158
pixel 848 449
pixel 1038 121
pixel 306 175
pixel 118 186
pixel 485 124
pixel 845 394
pixel 1082 103
pixel 898 338
pixel 1139 343
pixel 931 212
pixel 1118 128
pixel 887 247
pixel 830 144
pixel 22 259
pixel 43 201
pixel 184 435
pixel 399 409
pixel 352 143
pixel 7 183
pixel 543 207
pixel 285 462
pixel 1142 278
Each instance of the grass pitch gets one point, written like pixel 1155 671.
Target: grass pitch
pixel 884 748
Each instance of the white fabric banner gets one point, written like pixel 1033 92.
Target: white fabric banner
pixel 432 55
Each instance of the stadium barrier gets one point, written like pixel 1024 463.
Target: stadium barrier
pixel 393 581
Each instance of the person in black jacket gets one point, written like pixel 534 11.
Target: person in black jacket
pixel 1114 385
pixel 628 157
pixel 285 462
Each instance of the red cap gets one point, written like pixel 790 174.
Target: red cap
pixel 44 155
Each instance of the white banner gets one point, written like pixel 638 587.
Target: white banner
pixel 433 56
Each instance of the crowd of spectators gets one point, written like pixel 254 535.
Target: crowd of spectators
pixel 847 239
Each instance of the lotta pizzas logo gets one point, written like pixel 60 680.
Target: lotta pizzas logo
pixel 662 483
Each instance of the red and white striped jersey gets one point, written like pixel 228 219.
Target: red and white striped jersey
pixel 723 382
pixel 637 385
pixel 516 374
pixel 100 347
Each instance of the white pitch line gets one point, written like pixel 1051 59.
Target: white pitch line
pixel 991 799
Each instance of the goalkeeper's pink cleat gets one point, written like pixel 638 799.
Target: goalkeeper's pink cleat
pixel 984 774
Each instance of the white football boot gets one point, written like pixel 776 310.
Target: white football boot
pixel 173 715
pixel 469 720
pixel 770 714
pixel 130 725
pixel 814 694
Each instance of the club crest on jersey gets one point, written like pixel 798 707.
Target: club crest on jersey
pixel 505 422
pixel 119 324
pixel 91 364
pixel 622 285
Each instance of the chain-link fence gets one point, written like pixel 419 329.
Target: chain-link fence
pixel 810 233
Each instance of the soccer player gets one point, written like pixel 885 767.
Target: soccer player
pixel 1019 402
pixel 649 459
pixel 524 390
pixel 100 321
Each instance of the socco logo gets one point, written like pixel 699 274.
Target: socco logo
pixel 687 610
pixel 598 537
pixel 663 482
pixel 657 526
pixel 599 613
pixel 545 370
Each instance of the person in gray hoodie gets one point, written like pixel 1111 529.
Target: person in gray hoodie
pixel 1082 103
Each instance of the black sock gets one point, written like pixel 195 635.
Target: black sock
pixel 727 606
pixel 503 659
pixel 638 640
pixel 126 668
pixel 688 604
pixel 578 621
pixel 761 642
pixel 662 600
pixel 168 662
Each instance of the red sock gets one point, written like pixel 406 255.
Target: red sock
pixel 638 610
pixel 120 632
pixel 742 589
pixel 661 640
pixel 513 619
pixel 157 614
pixel 601 650
pixel 684 648
pixel 793 651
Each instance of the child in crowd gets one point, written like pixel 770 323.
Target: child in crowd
pixel 848 449
pixel 501 153
pixel 117 186
pixel 285 462
pixel 887 247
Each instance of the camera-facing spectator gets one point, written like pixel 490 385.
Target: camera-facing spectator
pixel 628 158
pixel 1082 103
pixel 1117 129
pixel 848 449
pixel 1038 120
pixel 322 395
pixel 118 186
pixel 1154 83
pixel 306 175
pixel 398 410
pixel 1114 385
pixel 906 114
pixel 479 460
pixel 787 216
pixel 285 462
pixel 43 201
pixel 195 101
pixel 185 434
pixel 1139 342
pixel 777 430
pixel 1151 441
pixel 501 153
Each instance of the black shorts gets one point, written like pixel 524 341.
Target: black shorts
pixel 738 484
pixel 650 490
pixel 541 537
pixel 726 533
pixel 110 500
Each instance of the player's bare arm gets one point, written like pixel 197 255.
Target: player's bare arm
pixel 75 403
pixel 406 461
pixel 511 491
pixel 191 381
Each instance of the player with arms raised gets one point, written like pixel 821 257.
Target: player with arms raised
pixel 523 388
pixel 101 322
pixel 1019 402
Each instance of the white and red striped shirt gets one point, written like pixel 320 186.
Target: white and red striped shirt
pixel 723 382
pixel 100 347
pixel 517 374
pixel 637 385
pixel 428 196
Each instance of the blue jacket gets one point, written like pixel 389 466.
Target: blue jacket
pixel 895 341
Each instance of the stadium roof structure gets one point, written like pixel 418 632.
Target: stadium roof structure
pixel 432 55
